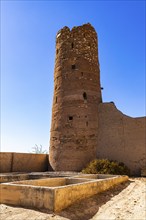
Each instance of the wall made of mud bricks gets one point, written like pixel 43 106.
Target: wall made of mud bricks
pixel 122 138
pixel 5 162
pixel 23 162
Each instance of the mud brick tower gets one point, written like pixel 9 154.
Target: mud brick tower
pixel 77 93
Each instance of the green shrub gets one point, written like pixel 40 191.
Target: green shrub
pixel 105 166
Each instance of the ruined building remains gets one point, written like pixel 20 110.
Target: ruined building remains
pixel 83 127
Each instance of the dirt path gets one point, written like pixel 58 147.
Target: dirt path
pixel 124 202
pixel 130 204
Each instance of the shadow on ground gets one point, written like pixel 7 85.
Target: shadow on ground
pixel 87 208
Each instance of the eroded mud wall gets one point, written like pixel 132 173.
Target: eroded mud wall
pixel 121 138
pixel 23 162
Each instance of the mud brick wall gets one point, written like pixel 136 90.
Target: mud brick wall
pixel 23 162
pixel 122 138
pixel 5 162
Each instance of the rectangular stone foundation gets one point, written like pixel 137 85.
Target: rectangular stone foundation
pixel 56 194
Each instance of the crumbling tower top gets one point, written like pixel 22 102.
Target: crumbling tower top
pixel 80 41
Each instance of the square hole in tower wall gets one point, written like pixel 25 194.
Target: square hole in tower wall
pixel 70 118
pixel 73 67
pixel 85 96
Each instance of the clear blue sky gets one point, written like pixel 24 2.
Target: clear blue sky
pixel 28 30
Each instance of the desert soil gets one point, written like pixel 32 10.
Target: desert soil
pixel 124 202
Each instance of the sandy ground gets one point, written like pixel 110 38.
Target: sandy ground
pixel 124 202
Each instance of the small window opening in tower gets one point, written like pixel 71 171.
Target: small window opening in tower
pixel 56 99
pixel 85 96
pixel 70 118
pixel 73 66
pixel 84 35
pixel 72 45
pixel 87 123
pixel 82 73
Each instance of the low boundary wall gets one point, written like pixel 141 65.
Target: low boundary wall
pixel 23 162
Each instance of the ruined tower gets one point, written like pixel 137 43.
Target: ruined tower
pixel 77 93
